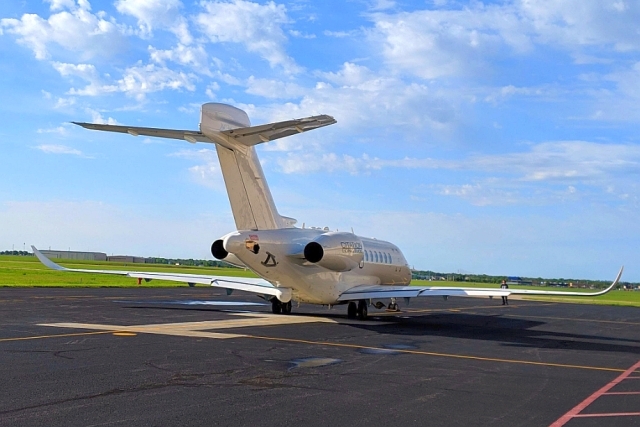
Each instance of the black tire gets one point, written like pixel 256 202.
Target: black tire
pixel 362 310
pixel 352 310
pixel 286 307
pixel 276 306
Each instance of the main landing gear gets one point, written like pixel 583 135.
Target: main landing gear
pixel 278 307
pixel 360 311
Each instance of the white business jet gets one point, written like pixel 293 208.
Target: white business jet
pixel 308 265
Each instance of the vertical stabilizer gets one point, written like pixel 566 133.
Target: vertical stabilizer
pixel 251 201
pixel 230 129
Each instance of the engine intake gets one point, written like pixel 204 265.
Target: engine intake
pixel 218 251
pixel 335 251
pixel 313 252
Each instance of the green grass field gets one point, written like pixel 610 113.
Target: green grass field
pixel 20 271
pixel 29 272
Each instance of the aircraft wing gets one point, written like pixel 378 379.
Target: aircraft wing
pixel 247 284
pixel 381 291
pixel 187 135
pixel 263 133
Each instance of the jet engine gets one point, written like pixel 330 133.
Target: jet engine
pixel 218 251
pixel 335 251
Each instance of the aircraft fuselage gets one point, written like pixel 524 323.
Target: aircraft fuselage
pixel 283 257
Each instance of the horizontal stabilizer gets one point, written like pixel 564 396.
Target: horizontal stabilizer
pixel 187 135
pixel 248 136
pixel 263 133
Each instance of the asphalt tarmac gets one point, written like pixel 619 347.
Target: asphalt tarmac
pixel 187 357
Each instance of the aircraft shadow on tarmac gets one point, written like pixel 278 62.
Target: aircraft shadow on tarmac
pixel 511 331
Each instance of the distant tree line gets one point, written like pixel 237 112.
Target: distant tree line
pixel 189 262
pixel 484 278
pixel 19 253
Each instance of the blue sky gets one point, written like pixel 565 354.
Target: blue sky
pixel 482 137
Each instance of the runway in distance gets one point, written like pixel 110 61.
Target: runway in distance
pixel 306 265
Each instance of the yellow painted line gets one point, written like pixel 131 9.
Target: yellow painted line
pixel 146 329
pixel 37 337
pixel 125 334
pixel 428 353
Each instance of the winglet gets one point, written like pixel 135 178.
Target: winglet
pixel 611 286
pixel 46 261
pixel 615 282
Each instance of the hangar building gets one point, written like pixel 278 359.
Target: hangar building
pixel 87 256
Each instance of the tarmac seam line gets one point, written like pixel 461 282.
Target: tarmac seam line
pixel 428 353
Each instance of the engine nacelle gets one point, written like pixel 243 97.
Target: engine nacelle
pixel 335 251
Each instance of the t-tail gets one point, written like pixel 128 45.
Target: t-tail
pixel 230 129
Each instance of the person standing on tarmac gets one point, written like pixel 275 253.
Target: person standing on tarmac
pixel 504 298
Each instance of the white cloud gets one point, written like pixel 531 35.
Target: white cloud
pixel 547 173
pixel 363 100
pixel 59 149
pixel 382 5
pixel 86 72
pixel 64 102
pixel 60 130
pixel 61 4
pixel 164 14
pixel 136 81
pixel 208 172
pixel 257 27
pixel 456 40
pixel 142 79
pixel 575 25
pixel 193 56
pixel 211 90
pixel 340 34
pixel 77 30
pixel 437 43
pixel 273 89
pixel 301 35
pixel 97 118
pixel 564 161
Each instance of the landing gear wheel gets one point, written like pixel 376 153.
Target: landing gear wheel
pixel 286 307
pixel 352 310
pixel 362 310
pixel 392 307
pixel 276 306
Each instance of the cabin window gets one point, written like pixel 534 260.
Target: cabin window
pixel 376 253
pixel 385 258
pixel 366 255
